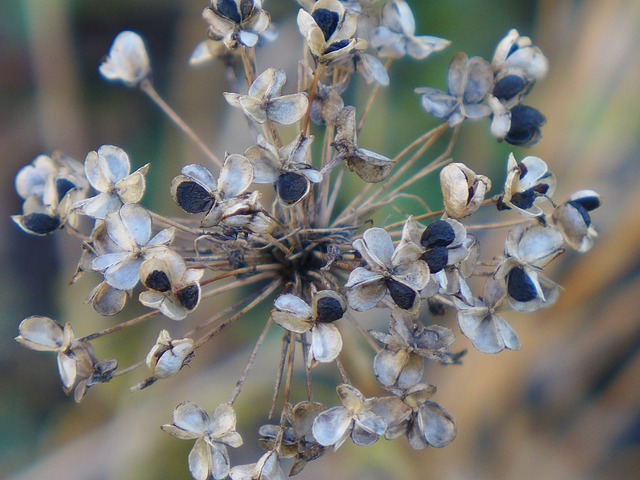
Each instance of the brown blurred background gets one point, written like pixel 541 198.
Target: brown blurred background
pixel 566 406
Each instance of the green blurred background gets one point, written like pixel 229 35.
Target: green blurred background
pixel 566 406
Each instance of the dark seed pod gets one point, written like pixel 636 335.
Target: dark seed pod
pixel 63 186
pixel 291 187
pixel 403 295
pixel 525 126
pixel 509 86
pixel 329 310
pixel 40 223
pixel 327 21
pixel 436 258
pixel 158 281
pixel 229 9
pixel 520 286
pixel 193 197
pixel 438 234
pixel 189 296
pixel 334 47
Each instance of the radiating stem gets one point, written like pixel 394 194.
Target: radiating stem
pixel 252 358
pixel 372 97
pixel 147 87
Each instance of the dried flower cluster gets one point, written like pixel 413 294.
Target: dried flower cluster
pixel 315 263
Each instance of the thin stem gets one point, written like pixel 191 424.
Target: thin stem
pixel 130 368
pixel 259 298
pixel 276 388
pixel 252 358
pixel 147 87
pixel 172 223
pixel 343 372
pixel 372 97
pixel 365 334
pixel 487 226
pixel 289 379
pixel 312 93
pixel 120 326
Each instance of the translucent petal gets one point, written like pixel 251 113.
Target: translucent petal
pixel 248 39
pixel 254 107
pixel 125 274
pixel 437 103
pixel 235 177
pixel 326 342
pixel 128 60
pixel 287 109
pixel 422 46
pixel 200 460
pixel 200 174
pixel 330 425
pixel 378 246
pixel 107 300
pixel 292 304
pixel 223 420
pixel 98 206
pixel 40 333
pixel 387 365
pixel 371 422
pixel 67 367
pixel 131 188
pixel 365 290
pixel 436 424
pixel 190 418
pixel 479 81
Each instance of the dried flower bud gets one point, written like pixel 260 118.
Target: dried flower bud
pixel 167 357
pixel 462 190
pixel 127 60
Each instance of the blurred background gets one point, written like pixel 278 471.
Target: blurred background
pixel 566 406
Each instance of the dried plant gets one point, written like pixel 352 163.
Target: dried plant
pixel 316 259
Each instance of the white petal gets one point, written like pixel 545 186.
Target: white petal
pixel 378 245
pixel 326 342
pixel 40 333
pixel 200 460
pixel 287 109
pixel 294 305
pixel 128 60
pixel 235 177
pixel 330 425
pixel 191 418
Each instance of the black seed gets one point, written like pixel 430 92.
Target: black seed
pixel 500 205
pixel 438 234
pixel 436 258
pixel 582 211
pixel 541 189
pixel 158 280
pixel 193 197
pixel 436 307
pixel 523 170
pixel 336 46
pixel 524 200
pixel 63 186
pixel 513 49
pixel 520 286
pixel 189 296
pixel 41 223
pixel 229 9
pixel 508 87
pixel 291 187
pixel 327 21
pixel 403 295
pixel 246 8
pixel 525 126
pixel 329 310
pixel 590 203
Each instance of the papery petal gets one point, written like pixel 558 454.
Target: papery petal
pixel 436 424
pixel 326 342
pixel 235 177
pixel 287 109
pixel 192 419
pixel 201 460
pixel 41 333
pixel 223 420
pixel 330 425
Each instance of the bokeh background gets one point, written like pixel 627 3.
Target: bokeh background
pixel 566 406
